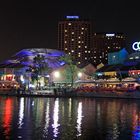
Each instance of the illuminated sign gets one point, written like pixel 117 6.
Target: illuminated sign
pixel 72 17
pixel 110 35
pixel 136 46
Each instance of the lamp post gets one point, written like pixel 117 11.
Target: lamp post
pixel 56 75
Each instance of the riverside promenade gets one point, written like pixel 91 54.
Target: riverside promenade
pixel 72 94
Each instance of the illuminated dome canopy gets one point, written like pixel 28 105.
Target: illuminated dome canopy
pixel 25 58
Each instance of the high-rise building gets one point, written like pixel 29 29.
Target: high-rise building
pixel 104 43
pixel 74 38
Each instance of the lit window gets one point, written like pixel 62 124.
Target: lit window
pixel 88 51
pixel 79 37
pixel 65 30
pixel 79 62
pixel 131 58
pixel 85 51
pixel 79 41
pixel 82 28
pixel 72 50
pixel 69 24
pixel 79 46
pixel 85 58
pixel 69 53
pixel 66 48
pixel 108 47
pixel 136 57
pixel 79 53
pixel 72 39
pixel 85 46
pixel 65 41
pixel 82 33
pixel 114 56
pixel 72 33
pixel 100 56
pixel 94 56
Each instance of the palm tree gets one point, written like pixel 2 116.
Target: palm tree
pixel 40 68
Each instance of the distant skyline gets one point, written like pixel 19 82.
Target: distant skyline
pixel 33 24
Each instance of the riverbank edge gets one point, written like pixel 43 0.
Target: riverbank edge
pixel 123 95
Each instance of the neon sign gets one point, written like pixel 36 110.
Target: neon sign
pixel 72 17
pixel 110 35
pixel 136 46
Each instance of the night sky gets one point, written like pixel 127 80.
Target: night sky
pixel 33 24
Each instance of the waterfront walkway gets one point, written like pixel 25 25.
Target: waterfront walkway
pixel 64 93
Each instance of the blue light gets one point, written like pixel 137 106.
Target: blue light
pixel 62 63
pixel 136 133
pixel 72 17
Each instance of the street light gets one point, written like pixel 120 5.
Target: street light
pixel 79 74
pixel 56 74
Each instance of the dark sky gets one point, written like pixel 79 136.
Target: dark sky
pixel 29 24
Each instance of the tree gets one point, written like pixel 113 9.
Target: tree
pixel 40 67
pixel 68 59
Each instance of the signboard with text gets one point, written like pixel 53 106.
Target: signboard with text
pixel 136 46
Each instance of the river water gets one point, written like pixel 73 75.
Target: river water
pixel 69 119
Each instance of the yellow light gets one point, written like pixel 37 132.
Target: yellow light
pixel 79 74
pixel 79 62
pixel 56 74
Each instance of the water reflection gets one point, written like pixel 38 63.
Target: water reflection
pixel 21 113
pixel 136 125
pixel 7 117
pixel 69 118
pixel 79 118
pixel 55 118
pixel 47 119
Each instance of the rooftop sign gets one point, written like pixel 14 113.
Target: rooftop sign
pixel 110 35
pixel 136 46
pixel 72 17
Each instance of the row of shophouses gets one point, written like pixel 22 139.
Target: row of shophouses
pixel 120 65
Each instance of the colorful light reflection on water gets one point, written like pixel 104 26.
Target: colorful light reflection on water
pixel 67 118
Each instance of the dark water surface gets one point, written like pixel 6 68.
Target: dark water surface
pixel 69 119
